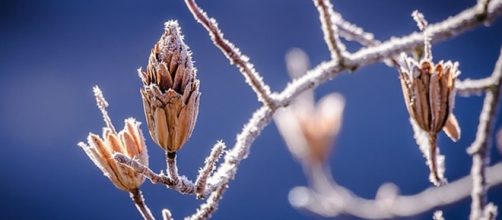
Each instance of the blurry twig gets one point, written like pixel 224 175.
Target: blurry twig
pixel 335 200
pixel 480 148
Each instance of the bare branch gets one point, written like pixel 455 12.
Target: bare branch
pixel 330 30
pixel 389 205
pixel 232 53
pixel 209 166
pixel 480 148
pixel 448 28
pixel 139 201
pixel 451 27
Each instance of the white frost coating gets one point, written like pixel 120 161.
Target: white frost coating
pixel 422 139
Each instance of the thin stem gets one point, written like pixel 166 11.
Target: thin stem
pixel 480 148
pixel 172 168
pixel 232 53
pixel 139 201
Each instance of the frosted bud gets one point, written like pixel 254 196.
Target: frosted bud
pixel 170 90
pixel 129 141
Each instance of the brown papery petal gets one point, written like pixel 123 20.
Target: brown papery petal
pixel 421 107
pixel 451 128
pixel 161 132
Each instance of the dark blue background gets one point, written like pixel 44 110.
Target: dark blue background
pixel 52 52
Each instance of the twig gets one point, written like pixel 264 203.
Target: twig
pixel 139 201
pixel 209 166
pixel 206 210
pixel 480 148
pixel 388 204
pixel 330 30
pixel 232 53
pixel 183 186
pixel 352 32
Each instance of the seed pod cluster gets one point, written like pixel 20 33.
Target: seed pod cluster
pixel 170 90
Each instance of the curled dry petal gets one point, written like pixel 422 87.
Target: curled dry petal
pixel 170 90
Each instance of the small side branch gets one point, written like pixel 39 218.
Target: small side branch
pixel 330 30
pixel 209 166
pixel 480 148
pixel 139 201
pixel 232 53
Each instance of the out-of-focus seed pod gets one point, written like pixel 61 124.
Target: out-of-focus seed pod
pixel 129 141
pixel 309 131
pixel 170 90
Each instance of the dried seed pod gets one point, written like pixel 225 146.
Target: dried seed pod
pixel 170 90
pixel 429 94
pixel 129 141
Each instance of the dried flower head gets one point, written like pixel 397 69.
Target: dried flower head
pixel 170 90
pixel 129 141
pixel 429 94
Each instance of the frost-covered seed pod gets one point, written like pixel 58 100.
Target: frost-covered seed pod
pixel 170 90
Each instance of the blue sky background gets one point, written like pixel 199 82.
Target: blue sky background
pixel 52 52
